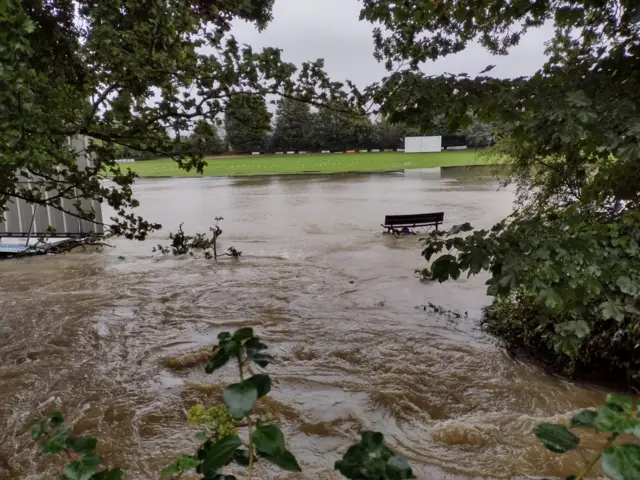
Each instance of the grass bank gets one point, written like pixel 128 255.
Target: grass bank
pixel 316 163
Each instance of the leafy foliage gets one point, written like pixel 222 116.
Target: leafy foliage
pixel 217 421
pixel 221 444
pixel 372 459
pixel 291 130
pixel 569 134
pixel 54 437
pixel 205 139
pixel 565 282
pixel 247 123
pixel 138 78
pixel 556 438
pixel 565 285
pixel 183 244
pixel 618 415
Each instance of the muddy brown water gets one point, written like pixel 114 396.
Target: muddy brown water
pixel 335 299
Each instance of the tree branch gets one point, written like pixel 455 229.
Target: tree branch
pixel 101 99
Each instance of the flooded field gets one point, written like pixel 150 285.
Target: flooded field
pixel 337 302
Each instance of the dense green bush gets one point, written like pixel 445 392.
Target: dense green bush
pixel 607 349
pixel 570 136
pixel 566 284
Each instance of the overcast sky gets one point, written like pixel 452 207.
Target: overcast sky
pixel 329 29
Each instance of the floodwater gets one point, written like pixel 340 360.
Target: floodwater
pixel 336 300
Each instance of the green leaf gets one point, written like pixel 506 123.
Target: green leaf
pixel 202 436
pixel 170 470
pixel 254 345
pixel 371 440
pixel 262 383
pixel 445 267
pixel 616 418
pixel 577 328
pixel 214 456
pixel 187 462
pixel 216 361
pixel 551 298
pixel 569 336
pixel 84 468
pixel 56 443
pixel 585 418
pixel 400 466
pixel 621 462
pixel 556 438
pixel 623 402
pixel 285 460
pixel 82 444
pixel 39 430
pixel 241 457
pixel 370 459
pixel 230 347
pixel 243 334
pixel 224 336
pixel 28 26
pixel 262 359
pixel 612 310
pixel 56 419
pixel 240 399
pixel 111 474
pixel 268 439
pixel 628 286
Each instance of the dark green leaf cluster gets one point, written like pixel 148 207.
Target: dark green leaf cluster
pixel 619 415
pixel 242 345
pixel 139 80
pixel 566 283
pixel 568 137
pixel 371 459
pixel 54 437
pixel 240 398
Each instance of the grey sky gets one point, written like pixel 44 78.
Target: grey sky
pixel 329 29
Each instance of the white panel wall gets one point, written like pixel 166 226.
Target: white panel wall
pixel 422 144
pixel 22 218
pixel 412 144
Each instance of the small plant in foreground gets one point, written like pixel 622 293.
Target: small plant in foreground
pixel 55 437
pixel 221 444
pixel 618 461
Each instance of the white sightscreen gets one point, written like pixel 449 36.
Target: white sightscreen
pixel 422 144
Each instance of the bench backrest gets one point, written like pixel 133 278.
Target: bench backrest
pixel 418 219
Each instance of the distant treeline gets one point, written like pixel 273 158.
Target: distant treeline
pixel 249 127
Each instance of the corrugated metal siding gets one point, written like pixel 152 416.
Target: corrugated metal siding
pixel 422 144
pixel 23 219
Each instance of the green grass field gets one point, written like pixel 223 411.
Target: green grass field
pixel 315 163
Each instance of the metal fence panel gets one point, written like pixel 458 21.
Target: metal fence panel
pixel 22 219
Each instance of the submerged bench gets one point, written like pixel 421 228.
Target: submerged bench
pixel 395 223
